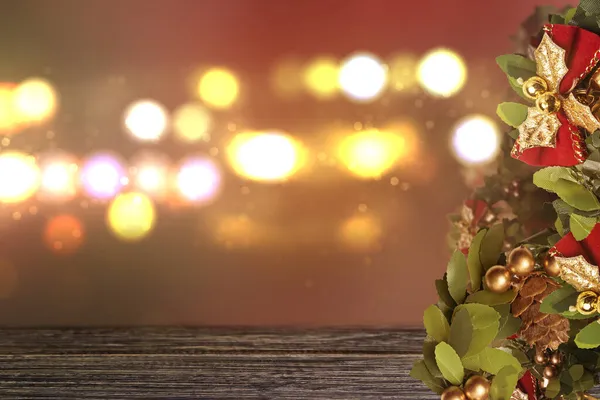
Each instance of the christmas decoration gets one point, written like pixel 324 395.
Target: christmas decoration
pixel 518 313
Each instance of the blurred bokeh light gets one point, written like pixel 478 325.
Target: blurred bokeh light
pixel 35 100
pixel 192 123
pixel 58 177
pixel 9 116
pixel 198 180
pixel 237 231
pixel 286 78
pixel 146 120
pixel 131 216
pixel 442 72
pixel 476 140
pixel 218 88
pixel 64 234
pixel 361 232
pixel 321 77
pixel 19 177
pixel 267 157
pixel 149 174
pixel 363 77
pixel 103 176
pixel 403 73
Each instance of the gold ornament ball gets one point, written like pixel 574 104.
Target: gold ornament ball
pixel 587 303
pixel 521 261
pixel 541 359
pixel 551 266
pixel 555 359
pixel 477 388
pixel 534 87
pixel 549 372
pixel 453 393
pixel 498 279
pixel 548 103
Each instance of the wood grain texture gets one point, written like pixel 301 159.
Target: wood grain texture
pixel 179 363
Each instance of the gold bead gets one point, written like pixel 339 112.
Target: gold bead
pixel 551 266
pixel 555 359
pixel 497 279
pixel 521 262
pixel 548 103
pixel 534 87
pixel 453 393
pixel 540 358
pixel 549 372
pixel 477 388
pixel 587 303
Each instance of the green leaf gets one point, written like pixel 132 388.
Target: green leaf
pixel 553 388
pixel 546 178
pixel 570 14
pixel 508 325
pixel 585 383
pixel 461 332
pixel 557 19
pixel 576 371
pixel 420 372
pixel 429 357
pixel 485 322
pixel 513 114
pixel 517 87
pixel 441 286
pixel 436 324
pixel 449 363
pixel 491 246
pixel 558 225
pixel 581 226
pixel 458 276
pixel 576 195
pixel 474 262
pixel 491 299
pixel 516 66
pixel 560 300
pixel 514 133
pixel 492 360
pixel 589 337
pixel 504 383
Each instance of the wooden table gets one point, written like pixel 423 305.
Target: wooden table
pixel 179 363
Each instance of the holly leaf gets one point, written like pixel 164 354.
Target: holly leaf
pixel 547 177
pixel 589 337
pixel 491 246
pixel 449 363
pixel 458 276
pixel 579 273
pixel 491 299
pixel 474 262
pixel 551 64
pixel 492 360
pixel 580 114
pixel 420 372
pixel 461 332
pixel 504 383
pixel 441 285
pixel 581 226
pixel 576 195
pixel 508 325
pixel 436 324
pixel 538 129
pixel 513 114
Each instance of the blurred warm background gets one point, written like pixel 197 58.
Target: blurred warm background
pixel 247 162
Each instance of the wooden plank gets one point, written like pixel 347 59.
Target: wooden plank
pixel 180 363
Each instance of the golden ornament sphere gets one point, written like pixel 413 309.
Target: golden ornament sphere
pixel 551 266
pixel 550 372
pixel 548 103
pixel 534 87
pixel 453 393
pixel 540 358
pixel 477 388
pixel 587 303
pixel 555 358
pixel 498 279
pixel 521 262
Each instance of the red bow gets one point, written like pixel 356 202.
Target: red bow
pixel 589 247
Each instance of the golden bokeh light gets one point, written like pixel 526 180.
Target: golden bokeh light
pixel 131 216
pixel 19 177
pixel 286 78
pixel 35 100
pixel 403 73
pixel 146 120
pixel 58 178
pixel 268 157
pixel 218 88
pixel 192 123
pixel 236 231
pixel 363 77
pixel 361 232
pixel 406 136
pixel 442 72
pixel 149 173
pixel 371 153
pixel 9 115
pixel 476 140
pixel 321 77
pixel 64 234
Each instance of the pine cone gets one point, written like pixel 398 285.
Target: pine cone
pixel 545 331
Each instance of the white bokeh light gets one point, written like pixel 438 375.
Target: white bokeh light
pixel 476 140
pixel 442 72
pixel 363 77
pixel 58 177
pixel 146 120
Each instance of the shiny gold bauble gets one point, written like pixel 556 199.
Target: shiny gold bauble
pixel 551 266
pixel 521 262
pixel 550 372
pixel 453 393
pixel 477 388
pixel 540 358
pixel 555 359
pixel 498 279
pixel 587 303
pixel 548 103
pixel 534 87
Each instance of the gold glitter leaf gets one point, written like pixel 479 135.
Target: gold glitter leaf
pixel 538 130
pixel 551 62
pixel 519 395
pixel 580 114
pixel 579 273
